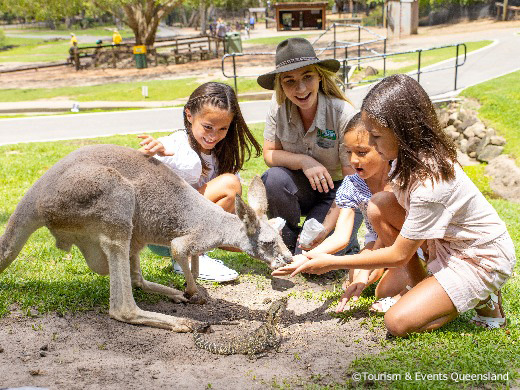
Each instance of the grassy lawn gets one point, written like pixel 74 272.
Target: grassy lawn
pixel 96 31
pixel 500 100
pixel 275 40
pixel 157 90
pixel 35 50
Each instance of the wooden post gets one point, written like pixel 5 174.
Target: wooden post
pixel 76 57
pixel 504 10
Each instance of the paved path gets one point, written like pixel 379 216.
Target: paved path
pixel 500 58
pixel 61 127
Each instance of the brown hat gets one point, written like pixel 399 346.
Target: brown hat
pixel 294 53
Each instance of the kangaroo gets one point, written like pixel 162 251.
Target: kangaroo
pixel 111 201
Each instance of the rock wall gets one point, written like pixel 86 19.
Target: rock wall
pixel 470 134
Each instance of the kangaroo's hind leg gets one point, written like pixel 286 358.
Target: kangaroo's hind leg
pixel 151 287
pixel 122 304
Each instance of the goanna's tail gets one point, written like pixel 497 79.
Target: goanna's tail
pixel 22 223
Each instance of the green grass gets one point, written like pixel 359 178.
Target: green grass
pixel 157 90
pixel 35 50
pixel 275 40
pixel 98 32
pixel 500 100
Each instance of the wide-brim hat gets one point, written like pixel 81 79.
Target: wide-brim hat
pixel 291 54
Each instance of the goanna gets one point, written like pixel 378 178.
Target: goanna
pixel 264 338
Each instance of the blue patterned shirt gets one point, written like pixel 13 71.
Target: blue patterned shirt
pixel 355 194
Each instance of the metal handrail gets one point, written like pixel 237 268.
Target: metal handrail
pixel 419 70
pixel 359 60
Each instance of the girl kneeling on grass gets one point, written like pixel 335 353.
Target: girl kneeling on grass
pixel 471 254
pixel 208 154
pixel 354 193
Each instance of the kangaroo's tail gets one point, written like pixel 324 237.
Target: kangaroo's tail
pixel 22 223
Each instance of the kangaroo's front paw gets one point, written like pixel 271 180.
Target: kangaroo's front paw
pixel 197 298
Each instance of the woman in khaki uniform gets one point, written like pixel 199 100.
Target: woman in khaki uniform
pixel 302 137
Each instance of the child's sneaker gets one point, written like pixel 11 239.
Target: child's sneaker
pixel 210 269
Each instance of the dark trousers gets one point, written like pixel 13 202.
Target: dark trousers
pixel 290 195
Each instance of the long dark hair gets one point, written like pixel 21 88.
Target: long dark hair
pixel 425 152
pixel 235 148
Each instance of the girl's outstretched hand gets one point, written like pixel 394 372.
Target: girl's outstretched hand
pixel 353 290
pixel 151 147
pixel 289 268
pixel 319 263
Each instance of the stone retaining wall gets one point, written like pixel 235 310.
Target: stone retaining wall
pixel 470 134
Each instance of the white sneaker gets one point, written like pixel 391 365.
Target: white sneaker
pixel 210 269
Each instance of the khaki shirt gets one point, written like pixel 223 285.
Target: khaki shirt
pixel 324 138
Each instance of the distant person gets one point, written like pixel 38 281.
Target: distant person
pixel 73 39
pixel 208 154
pixel 252 22
pixel 116 38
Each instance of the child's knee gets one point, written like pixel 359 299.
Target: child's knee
pixel 231 183
pixel 397 323
pixel 380 203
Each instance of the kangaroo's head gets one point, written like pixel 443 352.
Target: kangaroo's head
pixel 266 243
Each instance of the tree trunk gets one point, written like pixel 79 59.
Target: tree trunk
pixel 184 16
pixel 202 11
pixel 193 19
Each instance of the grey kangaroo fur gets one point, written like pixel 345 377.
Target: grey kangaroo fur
pixel 111 201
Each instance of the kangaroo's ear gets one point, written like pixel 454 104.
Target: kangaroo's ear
pixel 257 197
pixel 247 215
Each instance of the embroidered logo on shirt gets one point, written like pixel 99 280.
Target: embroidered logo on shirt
pixel 326 139
pixel 328 134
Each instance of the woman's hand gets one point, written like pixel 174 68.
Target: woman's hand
pixel 289 268
pixel 317 241
pixel 151 147
pixel 317 174
pixel 353 289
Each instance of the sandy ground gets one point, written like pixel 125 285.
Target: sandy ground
pixel 90 350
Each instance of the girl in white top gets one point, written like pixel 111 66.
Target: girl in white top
pixel 470 252
pixel 208 154
pixel 214 146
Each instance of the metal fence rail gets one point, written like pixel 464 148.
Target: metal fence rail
pixel 337 47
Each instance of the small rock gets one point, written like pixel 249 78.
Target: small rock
pixel 1 350
pixel 477 127
pixel 454 135
pixel 468 122
pixel 490 152
pixel 44 347
pixel 463 115
pixel 452 118
pixel 472 154
pixel 490 132
pixel 458 125
pixel 468 133
pixel 472 145
pixel 464 145
pixel 497 140
pixel 370 71
pixel 482 144
pixel 43 353
pixel 36 372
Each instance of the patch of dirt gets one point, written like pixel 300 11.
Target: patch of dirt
pixel 90 350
